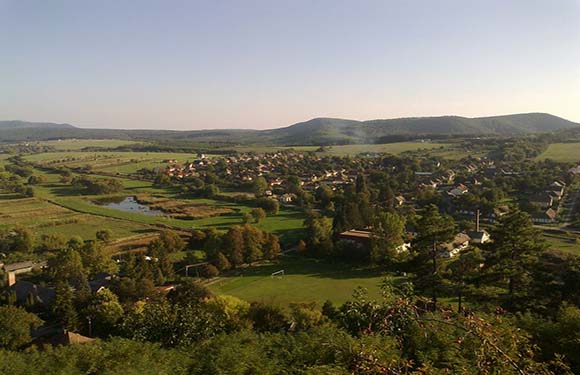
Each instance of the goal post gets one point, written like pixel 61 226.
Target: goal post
pixel 277 274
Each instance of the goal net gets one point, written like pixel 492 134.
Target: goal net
pixel 277 274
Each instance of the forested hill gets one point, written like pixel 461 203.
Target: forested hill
pixel 316 131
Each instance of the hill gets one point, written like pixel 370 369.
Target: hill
pixel 327 130
pixel 313 132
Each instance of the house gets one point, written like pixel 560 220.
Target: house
pixel 286 198
pixel 61 337
pixel 458 190
pixel 543 200
pixel 575 170
pixel 478 236
pixel 399 200
pixel 363 238
pixel 27 292
pixel 100 281
pixel 14 269
pixel 454 247
pixel 545 217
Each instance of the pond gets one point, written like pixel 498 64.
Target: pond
pixel 129 204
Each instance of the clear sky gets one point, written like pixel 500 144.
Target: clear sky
pixel 173 64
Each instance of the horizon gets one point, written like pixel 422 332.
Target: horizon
pixel 80 126
pixel 256 65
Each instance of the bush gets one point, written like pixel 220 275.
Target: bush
pixel 271 206
pixel 210 271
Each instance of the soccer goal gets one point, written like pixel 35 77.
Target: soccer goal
pixel 277 274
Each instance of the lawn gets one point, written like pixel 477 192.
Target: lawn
pixel 563 241
pixel 305 280
pixel 564 152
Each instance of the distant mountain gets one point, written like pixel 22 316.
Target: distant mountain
pixel 16 124
pixel 313 132
pixel 329 130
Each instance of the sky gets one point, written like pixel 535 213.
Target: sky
pixel 173 64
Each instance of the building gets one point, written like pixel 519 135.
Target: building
pixel 286 198
pixel 454 247
pixel 545 217
pixel 11 270
pixel 399 200
pixel 363 238
pixel 458 190
pixel 543 200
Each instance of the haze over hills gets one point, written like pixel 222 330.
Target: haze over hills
pixel 316 131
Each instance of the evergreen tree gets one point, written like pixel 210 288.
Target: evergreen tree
pixel 63 307
pixel 387 237
pixel 514 253
pixel 433 229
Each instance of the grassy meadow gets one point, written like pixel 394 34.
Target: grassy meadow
pixel 351 150
pixel 563 152
pixel 79 144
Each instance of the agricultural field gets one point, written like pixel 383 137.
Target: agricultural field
pixel 344 150
pixel 110 162
pixel 304 280
pixel 47 218
pixel 563 152
pixel 79 144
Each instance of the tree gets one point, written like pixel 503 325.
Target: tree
pixel 15 326
pixel 52 242
pixel 318 234
pixel 247 218
pixel 66 265
pixel 433 229
pixel 464 269
pixel 63 307
pixel 387 237
pixel 252 243
pixel 105 311
pixel 258 214
pixel 22 239
pixel 271 248
pixel 515 251
pixel 234 246
pixel 210 271
pixel 260 186
pixel 221 262
pixel 104 235
pixel 96 260
pixel 271 206
pixel 171 241
pixel 190 293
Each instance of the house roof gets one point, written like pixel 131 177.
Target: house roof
pixel 477 235
pixel 358 234
pixel 23 265
pixel 23 289
pixel 459 239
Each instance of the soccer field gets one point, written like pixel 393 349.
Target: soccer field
pixel 304 280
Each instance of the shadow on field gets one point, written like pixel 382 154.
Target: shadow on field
pixel 62 190
pixel 311 267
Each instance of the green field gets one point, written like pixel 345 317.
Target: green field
pixel 564 152
pixel 110 162
pixel 78 144
pixel 343 150
pixel 563 241
pixel 45 218
pixel 305 280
